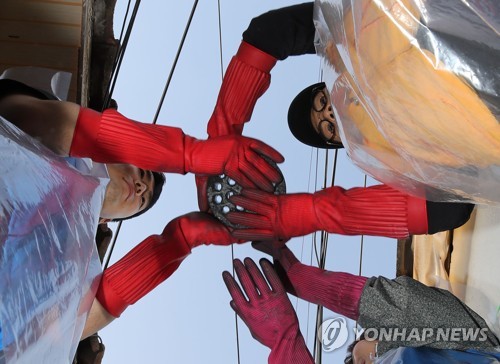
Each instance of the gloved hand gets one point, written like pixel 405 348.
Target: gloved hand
pixel 239 157
pixel 273 217
pixel 200 228
pixel 338 291
pixel 110 137
pixel 268 312
pixel 156 258
pixel 283 259
pixel 376 210
pixel 246 79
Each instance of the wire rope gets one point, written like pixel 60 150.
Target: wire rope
pixel 219 20
pixel 160 104
pixel 122 47
pixel 110 89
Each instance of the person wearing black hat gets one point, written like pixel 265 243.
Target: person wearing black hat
pixel 376 210
pixel 313 103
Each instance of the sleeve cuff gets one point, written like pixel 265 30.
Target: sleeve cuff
pixel 85 134
pixel 109 299
pixel 255 57
pixel 417 215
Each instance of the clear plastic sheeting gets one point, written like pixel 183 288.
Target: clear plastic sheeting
pixel 49 266
pixel 416 91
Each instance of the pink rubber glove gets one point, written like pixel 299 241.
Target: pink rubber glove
pixel 376 210
pixel 340 292
pixel 268 312
pixel 156 258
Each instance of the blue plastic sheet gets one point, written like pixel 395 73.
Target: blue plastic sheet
pixel 49 268
pixel 415 85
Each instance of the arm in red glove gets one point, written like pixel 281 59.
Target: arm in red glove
pixel 274 35
pixel 112 138
pixel 338 291
pixel 246 79
pixel 156 258
pixel 268 312
pixel 376 210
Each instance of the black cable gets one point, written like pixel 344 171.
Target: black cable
pixel 116 70
pixel 126 39
pixel 167 84
pixel 121 51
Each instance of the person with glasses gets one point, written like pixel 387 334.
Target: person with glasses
pixel 322 116
pixel 314 104
pixel 377 210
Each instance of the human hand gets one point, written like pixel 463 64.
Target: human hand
pixel 241 158
pixel 201 228
pixel 268 312
pixel 273 217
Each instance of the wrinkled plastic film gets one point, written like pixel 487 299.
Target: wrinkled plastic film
pixel 49 265
pixel 416 91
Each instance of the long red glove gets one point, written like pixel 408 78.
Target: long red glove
pixel 156 258
pixel 376 210
pixel 246 79
pixel 338 291
pixel 112 138
pixel 268 312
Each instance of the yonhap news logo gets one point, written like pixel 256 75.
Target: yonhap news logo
pixel 416 334
pixel 335 333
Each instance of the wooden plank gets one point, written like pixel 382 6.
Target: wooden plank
pixel 69 13
pixel 63 58
pixel 404 258
pixel 40 33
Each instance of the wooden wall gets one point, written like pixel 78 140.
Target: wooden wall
pixel 42 33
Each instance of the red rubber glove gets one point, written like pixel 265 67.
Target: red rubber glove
pixel 268 312
pixel 112 138
pixel 156 258
pixel 239 157
pixel 338 291
pixel 246 79
pixel 376 210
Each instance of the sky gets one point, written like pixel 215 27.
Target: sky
pixel 187 319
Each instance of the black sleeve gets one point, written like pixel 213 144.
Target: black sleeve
pixel 442 216
pixel 283 32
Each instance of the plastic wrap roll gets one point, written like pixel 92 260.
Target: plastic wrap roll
pixel 49 266
pixel 416 90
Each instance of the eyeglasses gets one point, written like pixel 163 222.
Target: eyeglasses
pixel 319 101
